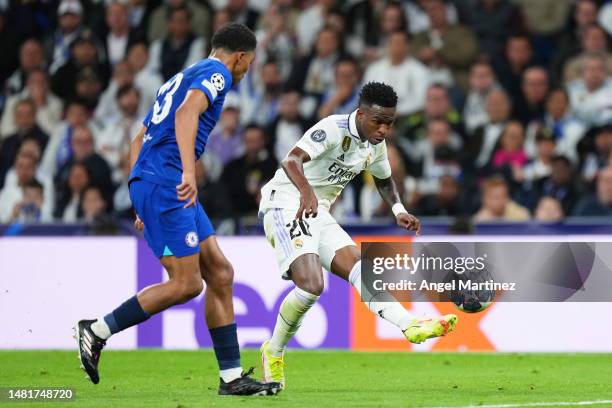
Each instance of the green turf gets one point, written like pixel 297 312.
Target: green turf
pixel 319 378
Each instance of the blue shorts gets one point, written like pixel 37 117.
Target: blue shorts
pixel 169 228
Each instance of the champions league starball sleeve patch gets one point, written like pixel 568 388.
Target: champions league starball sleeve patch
pixel 318 135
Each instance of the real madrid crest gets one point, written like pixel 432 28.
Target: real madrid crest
pixel 346 143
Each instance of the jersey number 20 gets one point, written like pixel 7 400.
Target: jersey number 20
pixel 167 90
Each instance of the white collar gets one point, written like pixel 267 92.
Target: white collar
pixel 352 125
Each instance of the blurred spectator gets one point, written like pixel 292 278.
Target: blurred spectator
pixel 58 43
pixel 343 97
pixel 437 106
pixel 147 80
pixel 599 157
pixel 482 81
pixel 497 205
pixel 12 193
pixel 120 35
pixel 534 89
pixel 540 167
pixel 437 155
pixel 385 19
pixel 117 136
pixel 584 15
pixel 289 127
pixel 31 56
pixel 58 151
pixel 26 128
pixel 276 39
pixel 83 54
pixel 310 22
pixel 448 49
pixel 48 106
pixel 560 185
pixel 108 110
pixel 491 21
pixel 69 197
pixel 510 154
pixel 445 202
pixel 594 41
pixel 241 12
pixel 314 74
pixel 261 107
pixel 30 209
pixel 82 146
pixel 599 204
pixel 408 77
pixel 509 68
pixel 548 210
pixel 212 195
pixel 590 96
pixel 544 17
pixel 243 177
pixel 225 141
pixel 565 128
pixel 200 18
pixel 93 204
pixel 418 18
pixel 139 14
pixel 88 88
pixel 179 48
pixel 483 140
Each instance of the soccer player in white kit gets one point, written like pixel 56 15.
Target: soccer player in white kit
pixel 295 207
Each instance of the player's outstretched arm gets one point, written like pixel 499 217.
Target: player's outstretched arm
pixel 293 165
pixel 186 126
pixel 388 191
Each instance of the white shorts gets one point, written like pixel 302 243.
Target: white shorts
pixel 292 238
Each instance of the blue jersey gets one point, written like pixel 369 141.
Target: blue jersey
pixel 159 160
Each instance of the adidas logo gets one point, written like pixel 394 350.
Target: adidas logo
pixel 341 157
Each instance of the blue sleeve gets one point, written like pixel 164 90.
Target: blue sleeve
pixel 147 120
pixel 213 82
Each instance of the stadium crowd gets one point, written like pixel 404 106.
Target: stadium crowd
pixel 505 106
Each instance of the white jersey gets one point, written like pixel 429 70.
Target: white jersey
pixel 337 155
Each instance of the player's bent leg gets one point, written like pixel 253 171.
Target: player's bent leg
pixel 306 273
pixel 218 273
pixel 347 265
pixel 185 283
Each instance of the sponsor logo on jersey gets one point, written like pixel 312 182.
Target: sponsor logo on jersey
pixel 341 157
pixel 318 135
pixel 191 239
pixel 346 143
pixel 146 138
pixel 340 175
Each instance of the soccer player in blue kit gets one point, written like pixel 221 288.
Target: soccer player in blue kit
pixel 164 194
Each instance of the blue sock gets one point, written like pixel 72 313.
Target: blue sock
pixel 128 314
pixel 225 343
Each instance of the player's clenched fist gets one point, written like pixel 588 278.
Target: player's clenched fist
pixel 188 189
pixel 308 204
pixel 409 221
pixel 138 224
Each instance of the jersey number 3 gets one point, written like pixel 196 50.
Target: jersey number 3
pixel 167 90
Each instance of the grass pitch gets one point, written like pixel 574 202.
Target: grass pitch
pixel 320 379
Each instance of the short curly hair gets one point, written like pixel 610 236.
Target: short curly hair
pixel 234 37
pixel 377 93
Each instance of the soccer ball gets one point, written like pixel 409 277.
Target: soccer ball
pixel 470 300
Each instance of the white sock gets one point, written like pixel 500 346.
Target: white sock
pixel 389 309
pixel 230 374
pixel 101 329
pixel 290 316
